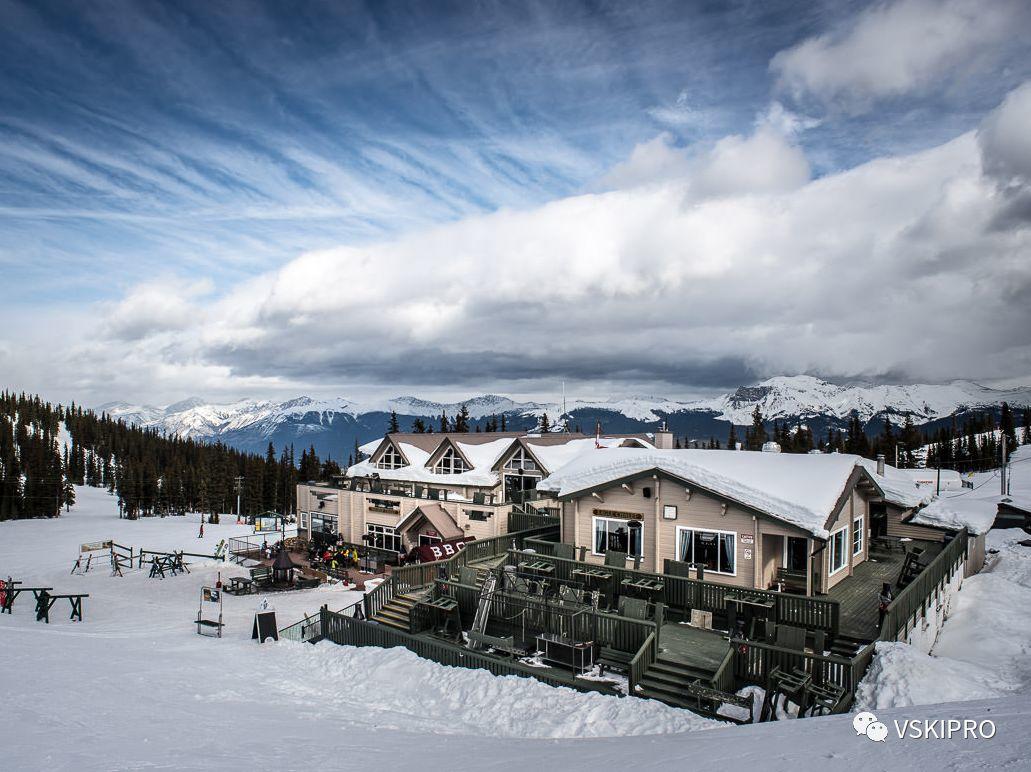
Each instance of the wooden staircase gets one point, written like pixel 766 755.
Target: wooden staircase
pixel 847 646
pixel 396 613
pixel 667 680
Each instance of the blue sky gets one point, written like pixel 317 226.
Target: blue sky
pixel 207 146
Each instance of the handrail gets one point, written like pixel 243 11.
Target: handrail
pixel 925 585
pixel 641 661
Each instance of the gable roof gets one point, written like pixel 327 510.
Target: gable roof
pixel 436 516
pixel 800 489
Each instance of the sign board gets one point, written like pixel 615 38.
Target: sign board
pixel 746 555
pixel 428 553
pixel 265 627
pixel 702 619
pixel 747 538
pixel 95 546
pixel 211 595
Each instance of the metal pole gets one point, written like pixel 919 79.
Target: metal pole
pixel 938 487
pixel 239 488
pixel 1002 468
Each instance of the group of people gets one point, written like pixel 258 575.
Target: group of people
pixel 336 557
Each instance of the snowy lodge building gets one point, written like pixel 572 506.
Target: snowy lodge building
pixel 801 523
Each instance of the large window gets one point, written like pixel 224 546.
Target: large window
pixel 323 523
pixel 521 460
pixel 617 536
pixel 425 540
pixel 450 463
pixel 858 535
pixel 390 459
pixel 384 537
pixel 837 556
pixel 716 550
pixel 303 520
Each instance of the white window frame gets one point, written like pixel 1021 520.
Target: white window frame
pixel 594 531
pixel 425 540
pixel 858 526
pixel 522 460
pixel 682 529
pixel 450 462
pixel 395 460
pixel 831 570
pixel 304 521
pixel 377 529
pixel 666 510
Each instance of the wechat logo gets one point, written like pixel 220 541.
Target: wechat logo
pixel 867 723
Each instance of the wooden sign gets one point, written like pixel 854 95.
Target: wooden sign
pixel 95 546
pixel 747 538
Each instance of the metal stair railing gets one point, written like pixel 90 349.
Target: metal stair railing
pixel 490 586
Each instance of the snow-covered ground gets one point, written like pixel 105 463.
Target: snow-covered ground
pixel 134 687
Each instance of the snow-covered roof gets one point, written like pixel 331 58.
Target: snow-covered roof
pixel 799 489
pixel 899 485
pixel 954 513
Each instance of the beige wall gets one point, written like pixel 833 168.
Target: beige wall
pixel 697 511
pixel 901 530
pixel 855 506
pixel 354 514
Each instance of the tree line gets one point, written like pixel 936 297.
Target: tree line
pixel 47 449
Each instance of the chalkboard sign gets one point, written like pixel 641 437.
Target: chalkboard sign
pixel 265 627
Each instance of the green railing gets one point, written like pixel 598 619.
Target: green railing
pixel 683 594
pixel 642 660
pixel 919 594
pixel 754 660
pixel 723 678
pixel 308 630
pixel 530 517
pixel 348 631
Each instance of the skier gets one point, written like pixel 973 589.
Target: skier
pixel 883 601
pixel 200 534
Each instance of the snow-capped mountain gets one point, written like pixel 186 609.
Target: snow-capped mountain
pixel 334 425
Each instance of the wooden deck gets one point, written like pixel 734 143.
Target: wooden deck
pixel 692 646
pixel 857 595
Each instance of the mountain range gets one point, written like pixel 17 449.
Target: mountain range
pixel 334 425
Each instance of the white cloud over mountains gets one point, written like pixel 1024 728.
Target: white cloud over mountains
pixel 696 270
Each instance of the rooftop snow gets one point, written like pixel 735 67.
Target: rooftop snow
pixel 799 489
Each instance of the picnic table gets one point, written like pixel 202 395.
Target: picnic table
pixel 45 601
pixel 240 585
pixel 649 589
pixel 539 568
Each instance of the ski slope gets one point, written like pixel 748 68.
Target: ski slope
pixel 133 687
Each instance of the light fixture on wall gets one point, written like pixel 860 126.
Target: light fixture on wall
pixel 723 509
pixel 687 493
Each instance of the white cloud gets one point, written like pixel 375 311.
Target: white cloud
pixel 1005 138
pixel 738 265
pixel 897 48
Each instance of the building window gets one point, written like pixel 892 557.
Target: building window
pixel 304 520
pixel 477 514
pixel 858 534
pixel 391 459
pixel 385 505
pixel 669 512
pixel 450 463
pixel 384 537
pixel 716 550
pixel 323 523
pixel 425 540
pixel 837 555
pixel 617 536
pixel 521 460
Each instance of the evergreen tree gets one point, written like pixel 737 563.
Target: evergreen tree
pixel 503 422
pixel 394 427
pixel 443 422
pixel 545 425
pixel 462 420
pixel 757 436
pixel 419 426
pixel 732 438
pixel 1008 427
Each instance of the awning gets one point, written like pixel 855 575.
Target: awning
pixel 429 553
pixel 435 515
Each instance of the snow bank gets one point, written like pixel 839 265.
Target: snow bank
pixel 976 515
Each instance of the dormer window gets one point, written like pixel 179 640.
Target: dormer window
pixel 390 459
pixel 521 460
pixel 450 463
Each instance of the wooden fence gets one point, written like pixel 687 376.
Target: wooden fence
pixel 919 594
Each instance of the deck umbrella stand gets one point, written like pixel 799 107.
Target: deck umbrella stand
pixel 283 568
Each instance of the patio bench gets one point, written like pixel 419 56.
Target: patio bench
pixel 503 645
pixel 261 575
pixel 613 659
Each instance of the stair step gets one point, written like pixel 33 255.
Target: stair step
pixel 662 691
pixel 386 622
pixel 678 680
pixel 681 670
pixel 400 618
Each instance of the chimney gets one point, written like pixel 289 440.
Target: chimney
pixel 880 464
pixel 663 438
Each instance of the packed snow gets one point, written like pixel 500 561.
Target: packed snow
pixel 134 687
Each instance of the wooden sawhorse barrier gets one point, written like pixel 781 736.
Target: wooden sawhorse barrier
pixel 45 601
pixel 14 592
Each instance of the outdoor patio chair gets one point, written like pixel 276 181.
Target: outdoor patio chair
pixel 633 608
pixel 564 551
pixel 789 637
pixel 615 559
pixel 479 498
pixel 571 595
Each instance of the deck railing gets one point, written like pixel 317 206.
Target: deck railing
pixel 682 594
pixel 754 660
pixel 528 517
pixel 642 660
pixel 723 679
pixel 915 598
